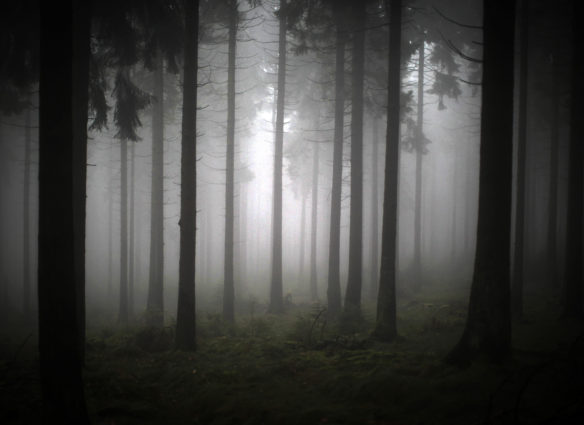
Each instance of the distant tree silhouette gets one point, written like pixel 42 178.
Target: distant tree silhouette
pixel 276 301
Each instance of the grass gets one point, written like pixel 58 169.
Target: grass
pixel 300 369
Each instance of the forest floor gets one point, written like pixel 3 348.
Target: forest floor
pixel 298 369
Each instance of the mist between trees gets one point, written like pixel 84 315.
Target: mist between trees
pixel 247 158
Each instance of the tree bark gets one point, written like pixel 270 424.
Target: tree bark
pixel 276 301
pixel 552 234
pixel 374 214
pixel 185 318
pixel 82 52
pixel 386 326
pixel 518 262
pixel 110 221
pixel 488 325
pixel 313 224
pixel 334 279
pixel 123 310
pixel 64 30
pixel 354 284
pixel 419 151
pixel 228 286
pixel 304 194
pixel 155 302
pixel 26 284
pixel 574 279
pixel 131 234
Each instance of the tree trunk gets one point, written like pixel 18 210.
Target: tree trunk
pixel 82 52
pixel 374 214
pixel 313 224
pixel 276 302
pixel 123 310
pixel 354 284
pixel 185 317
pixel 131 234
pixel 552 234
pixel 420 146
pixel 334 279
pixel 518 263
pixel 385 326
pixel 110 221
pixel 302 234
pixel 155 302
pixel 26 218
pixel 64 36
pixel 242 265
pixel 488 324
pixel 228 286
pixel 574 281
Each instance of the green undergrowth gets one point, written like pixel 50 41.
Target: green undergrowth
pixel 305 368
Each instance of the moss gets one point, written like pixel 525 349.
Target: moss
pixel 300 369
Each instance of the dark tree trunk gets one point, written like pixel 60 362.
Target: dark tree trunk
pixel 26 218
pixel 242 265
pixel 488 324
pixel 374 214
pixel 518 262
pixel 334 279
pixel 131 234
pixel 302 234
pixel 552 234
pixel 313 224
pixel 155 302
pixel 82 53
pixel 185 317
pixel 110 240
pixel 574 280
pixel 419 151
pixel 276 302
pixel 123 311
pixel 354 283
pixel 228 285
pixel 61 112
pixel 385 326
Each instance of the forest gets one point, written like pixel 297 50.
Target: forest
pixel 291 212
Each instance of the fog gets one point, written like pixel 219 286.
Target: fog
pixel 449 178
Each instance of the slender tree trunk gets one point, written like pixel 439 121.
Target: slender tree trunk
pixel 374 214
pixel 302 234
pixel 334 279
pixel 518 263
pixel 313 224
pixel 228 286
pixel 552 234
pixel 420 146
pixel 354 284
pixel 185 318
pixel 26 218
pixel 574 279
pixel 82 54
pixel 243 235
pixel 386 323
pixel 155 302
pixel 131 234
pixel 123 310
pixel 488 324
pixel 64 37
pixel 110 239
pixel 276 302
